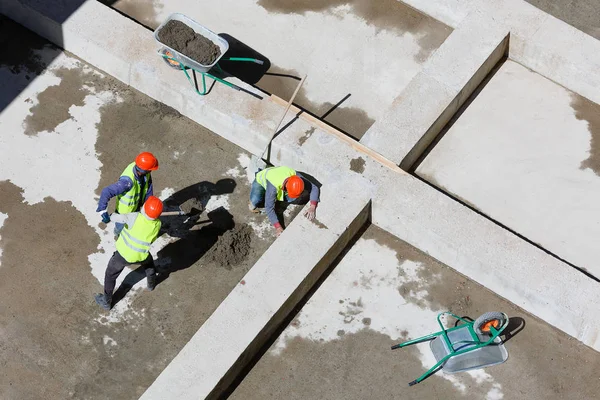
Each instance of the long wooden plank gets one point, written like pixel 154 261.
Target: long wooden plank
pixel 317 123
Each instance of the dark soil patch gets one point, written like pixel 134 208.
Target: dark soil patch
pixel 185 40
pixel 233 247
pixel 357 165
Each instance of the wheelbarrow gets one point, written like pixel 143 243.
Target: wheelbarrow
pixel 214 71
pixel 468 345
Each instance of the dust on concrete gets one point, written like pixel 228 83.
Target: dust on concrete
pixel 232 248
pixel 351 120
pixel 185 40
pixel 306 136
pixel 45 289
pixel 587 110
pixel 357 165
pixel 390 15
pixel 582 14
pixel 20 55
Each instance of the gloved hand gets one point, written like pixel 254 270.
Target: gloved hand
pixel 104 215
pixel 278 231
pixel 311 213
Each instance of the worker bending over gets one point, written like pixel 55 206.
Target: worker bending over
pixel 132 189
pixel 281 184
pixel 133 247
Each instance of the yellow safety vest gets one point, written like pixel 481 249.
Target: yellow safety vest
pixel 134 242
pixel 128 202
pixel 276 176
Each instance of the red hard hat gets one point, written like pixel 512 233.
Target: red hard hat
pixel 146 161
pixel 153 207
pixel 294 186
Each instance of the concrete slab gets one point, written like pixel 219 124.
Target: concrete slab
pixel 523 153
pixel 418 115
pixel 433 222
pixel 252 312
pixel 70 131
pixel 582 14
pixel 385 291
pixel 368 51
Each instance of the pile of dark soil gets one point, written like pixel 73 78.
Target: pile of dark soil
pixel 232 247
pixel 185 40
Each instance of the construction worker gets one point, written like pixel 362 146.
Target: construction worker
pixel 281 184
pixel 133 247
pixel 132 189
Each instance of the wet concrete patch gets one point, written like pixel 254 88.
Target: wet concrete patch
pixel 319 224
pixel 53 104
pixel 351 120
pixel 357 165
pixel 589 111
pixel 384 15
pixel 45 288
pixel 355 367
pixel 543 361
pixel 306 136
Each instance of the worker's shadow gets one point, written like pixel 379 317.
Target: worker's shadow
pixel 197 232
pixel 281 208
pixel 184 252
pixel 192 200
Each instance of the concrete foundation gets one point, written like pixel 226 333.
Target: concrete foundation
pixel 524 153
pixel 384 292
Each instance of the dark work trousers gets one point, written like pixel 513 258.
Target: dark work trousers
pixel 115 267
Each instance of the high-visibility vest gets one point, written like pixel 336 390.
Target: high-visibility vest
pixel 134 242
pixel 275 176
pixel 128 202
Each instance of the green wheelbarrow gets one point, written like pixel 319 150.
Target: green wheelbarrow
pixel 468 345
pixel 179 61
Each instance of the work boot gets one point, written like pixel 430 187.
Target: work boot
pixel 150 283
pixel 103 301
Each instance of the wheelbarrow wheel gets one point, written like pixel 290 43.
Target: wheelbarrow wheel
pixel 483 324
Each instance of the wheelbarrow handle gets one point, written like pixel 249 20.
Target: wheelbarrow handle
pixel 253 60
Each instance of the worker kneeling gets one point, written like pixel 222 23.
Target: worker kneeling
pixel 281 184
pixel 133 247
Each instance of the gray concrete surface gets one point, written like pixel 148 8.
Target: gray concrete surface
pixel 385 291
pixel 241 325
pixel 70 132
pixel 524 153
pixel 368 50
pixel 582 14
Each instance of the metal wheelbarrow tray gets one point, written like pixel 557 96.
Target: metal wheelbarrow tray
pixel 466 346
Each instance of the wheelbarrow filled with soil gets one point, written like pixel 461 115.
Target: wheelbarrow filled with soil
pixel 189 46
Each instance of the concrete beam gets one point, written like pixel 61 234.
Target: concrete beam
pixel 257 306
pixel 449 77
pixel 453 234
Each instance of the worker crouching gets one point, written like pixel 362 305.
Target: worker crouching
pixel 133 247
pixel 281 184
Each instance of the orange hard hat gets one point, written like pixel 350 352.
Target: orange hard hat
pixel 294 186
pixel 153 207
pixel 146 161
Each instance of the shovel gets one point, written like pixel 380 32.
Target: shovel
pixel 257 163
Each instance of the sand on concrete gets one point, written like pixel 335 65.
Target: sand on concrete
pixel 185 40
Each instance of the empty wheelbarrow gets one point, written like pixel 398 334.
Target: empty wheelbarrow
pixel 469 345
